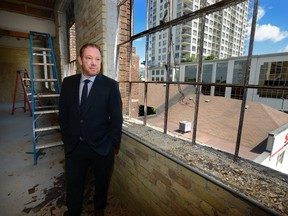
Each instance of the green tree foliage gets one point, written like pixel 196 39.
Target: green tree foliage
pixel 210 57
pixel 192 58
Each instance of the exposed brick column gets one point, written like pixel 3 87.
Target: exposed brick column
pixel 124 63
pixel 94 24
pixel 123 71
pixel 135 87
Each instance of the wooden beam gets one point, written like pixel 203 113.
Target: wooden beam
pixel 14 34
pixel 26 4
pixel 28 9
pixel 17 34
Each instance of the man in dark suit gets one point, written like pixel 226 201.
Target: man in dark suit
pixel 90 111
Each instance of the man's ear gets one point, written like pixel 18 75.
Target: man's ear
pixel 79 60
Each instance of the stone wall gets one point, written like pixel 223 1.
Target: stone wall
pixel 152 183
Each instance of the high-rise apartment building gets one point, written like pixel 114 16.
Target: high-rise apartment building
pixel 224 35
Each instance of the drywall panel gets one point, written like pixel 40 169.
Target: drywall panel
pixel 21 23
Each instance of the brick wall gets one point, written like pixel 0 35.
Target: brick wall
pixel 127 89
pixel 135 70
pixel 94 22
pixel 89 23
pixel 72 43
pixel 11 60
pixel 16 56
pixel 151 183
pixel 124 56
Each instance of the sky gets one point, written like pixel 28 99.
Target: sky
pixel 272 27
pixel 271 31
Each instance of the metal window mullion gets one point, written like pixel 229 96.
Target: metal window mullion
pixel 131 28
pixel 246 79
pixel 146 62
pixel 168 68
pixel 198 86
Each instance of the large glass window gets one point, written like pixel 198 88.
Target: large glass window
pixel 238 78
pixel 190 73
pixel 273 74
pixel 207 78
pixel 221 75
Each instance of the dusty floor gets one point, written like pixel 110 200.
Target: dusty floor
pixel 28 189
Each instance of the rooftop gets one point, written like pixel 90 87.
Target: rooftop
pixel 218 118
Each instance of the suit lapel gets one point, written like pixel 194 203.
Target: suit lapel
pixel 76 90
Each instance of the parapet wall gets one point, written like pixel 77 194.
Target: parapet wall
pixel 151 182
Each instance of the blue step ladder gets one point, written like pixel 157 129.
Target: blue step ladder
pixel 45 94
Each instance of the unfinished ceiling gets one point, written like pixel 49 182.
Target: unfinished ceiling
pixel 36 8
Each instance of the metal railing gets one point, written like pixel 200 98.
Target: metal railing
pixel 199 14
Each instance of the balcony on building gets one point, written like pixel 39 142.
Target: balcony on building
pixel 187 25
pixel 185 42
pixel 186 34
pixel 185 49
pixel 187 9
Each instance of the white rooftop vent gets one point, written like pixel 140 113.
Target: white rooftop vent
pixel 185 126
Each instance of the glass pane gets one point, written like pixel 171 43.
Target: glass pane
pixel 140 16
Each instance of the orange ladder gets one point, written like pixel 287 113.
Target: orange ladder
pixel 22 77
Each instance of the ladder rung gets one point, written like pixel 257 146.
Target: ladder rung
pixel 48 145
pixel 39 34
pixel 41 48
pixel 36 101
pixel 43 64
pixel 46 95
pixel 41 54
pixel 46 107
pixel 47 128
pixel 46 112
pixel 28 79
pixel 44 80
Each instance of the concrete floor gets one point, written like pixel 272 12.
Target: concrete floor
pixel 24 186
pixel 28 189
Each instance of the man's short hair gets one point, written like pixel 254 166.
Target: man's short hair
pixel 89 45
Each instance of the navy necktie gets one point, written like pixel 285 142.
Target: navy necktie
pixel 84 92
pixel 82 105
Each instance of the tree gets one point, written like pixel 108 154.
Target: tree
pixel 192 58
pixel 210 57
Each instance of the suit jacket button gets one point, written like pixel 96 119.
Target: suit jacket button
pixel 81 121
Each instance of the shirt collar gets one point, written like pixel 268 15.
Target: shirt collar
pixel 92 78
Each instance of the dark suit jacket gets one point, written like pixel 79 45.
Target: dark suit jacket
pixel 102 117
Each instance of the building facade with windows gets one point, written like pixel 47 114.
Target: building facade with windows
pixel 224 35
pixel 269 71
